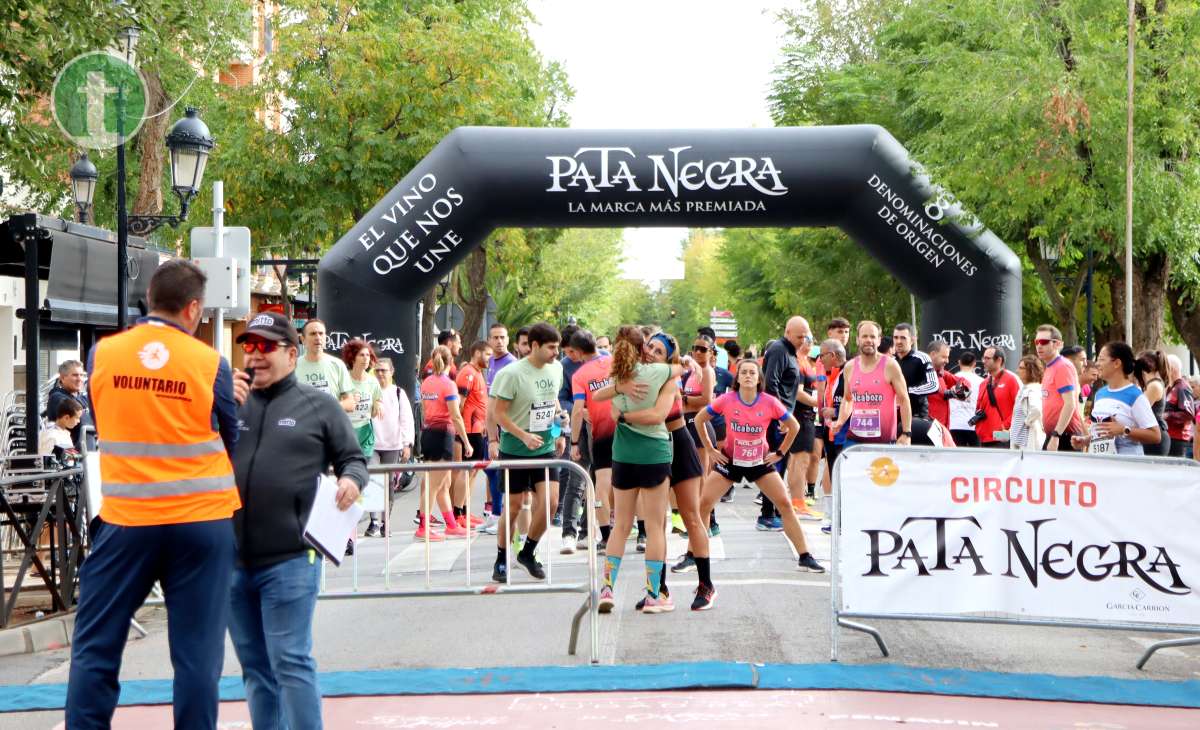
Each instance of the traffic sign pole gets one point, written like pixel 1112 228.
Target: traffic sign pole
pixel 218 212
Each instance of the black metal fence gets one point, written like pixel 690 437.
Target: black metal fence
pixel 46 513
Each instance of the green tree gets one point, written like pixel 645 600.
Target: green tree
pixel 572 274
pixel 1017 107
pixel 702 289
pixel 181 49
pixel 818 273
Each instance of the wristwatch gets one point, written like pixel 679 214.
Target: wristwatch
pixel 906 433
pixel 779 453
pixel 1055 435
pixel 1128 430
pixel 574 443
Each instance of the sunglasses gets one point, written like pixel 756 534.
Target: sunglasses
pixel 263 346
pixel 1042 341
pixel 700 348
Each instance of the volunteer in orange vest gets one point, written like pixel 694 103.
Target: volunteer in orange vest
pixel 165 413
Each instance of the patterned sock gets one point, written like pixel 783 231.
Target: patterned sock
pixel 653 577
pixel 611 566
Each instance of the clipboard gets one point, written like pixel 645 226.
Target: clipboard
pixel 328 528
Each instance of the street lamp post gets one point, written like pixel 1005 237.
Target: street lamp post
pixel 189 142
pixel 83 186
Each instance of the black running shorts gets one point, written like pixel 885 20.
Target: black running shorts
pixel 437 445
pixel 639 476
pixel 525 480
pixel 602 453
pixel 737 473
pixel 685 459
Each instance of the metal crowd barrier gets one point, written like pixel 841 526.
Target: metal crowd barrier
pixel 590 589
pixel 840 618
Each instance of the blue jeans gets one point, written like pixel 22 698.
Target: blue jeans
pixel 271 627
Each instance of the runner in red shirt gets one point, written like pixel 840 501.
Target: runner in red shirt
pixel 442 420
pixel 593 375
pixel 948 382
pixel 1060 391
pixel 472 389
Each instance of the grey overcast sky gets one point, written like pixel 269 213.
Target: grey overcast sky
pixel 655 64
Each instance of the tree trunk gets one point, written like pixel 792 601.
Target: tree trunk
pixel 427 313
pixel 472 292
pixel 151 149
pixel 1185 314
pixel 1150 276
pixel 1063 305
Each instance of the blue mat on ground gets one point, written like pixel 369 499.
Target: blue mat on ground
pixel 681 676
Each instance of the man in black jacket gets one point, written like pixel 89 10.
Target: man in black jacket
pixel 781 378
pixel 920 376
pixel 290 434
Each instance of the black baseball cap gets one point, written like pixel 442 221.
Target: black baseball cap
pixel 270 326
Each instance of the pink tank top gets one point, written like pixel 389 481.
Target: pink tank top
pixel 874 417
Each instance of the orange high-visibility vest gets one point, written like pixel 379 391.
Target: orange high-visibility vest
pixel 162 461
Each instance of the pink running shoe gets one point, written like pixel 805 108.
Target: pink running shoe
pixel 662 604
pixel 606 600
pixel 434 535
pixel 456 531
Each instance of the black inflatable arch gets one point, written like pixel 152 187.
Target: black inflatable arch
pixel 858 178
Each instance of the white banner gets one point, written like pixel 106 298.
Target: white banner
pixel 1029 534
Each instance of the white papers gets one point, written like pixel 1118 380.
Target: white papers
pixel 328 528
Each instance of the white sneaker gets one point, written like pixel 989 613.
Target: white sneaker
pixel 491 525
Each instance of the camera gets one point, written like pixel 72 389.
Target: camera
pixel 978 418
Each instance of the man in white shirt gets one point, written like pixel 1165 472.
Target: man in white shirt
pixel 961 411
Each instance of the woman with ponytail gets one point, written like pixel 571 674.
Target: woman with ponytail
pixel 1151 368
pixel 442 420
pixel 642 453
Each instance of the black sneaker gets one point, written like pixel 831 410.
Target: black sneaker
pixel 758 499
pixel 728 495
pixel 809 563
pixel 706 598
pixel 373 530
pixel 499 573
pixel 349 547
pixel 641 543
pixel 686 564
pixel 530 563
pixel 602 546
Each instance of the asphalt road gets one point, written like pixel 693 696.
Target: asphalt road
pixel 766 611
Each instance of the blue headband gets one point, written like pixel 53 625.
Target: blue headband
pixel 666 343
